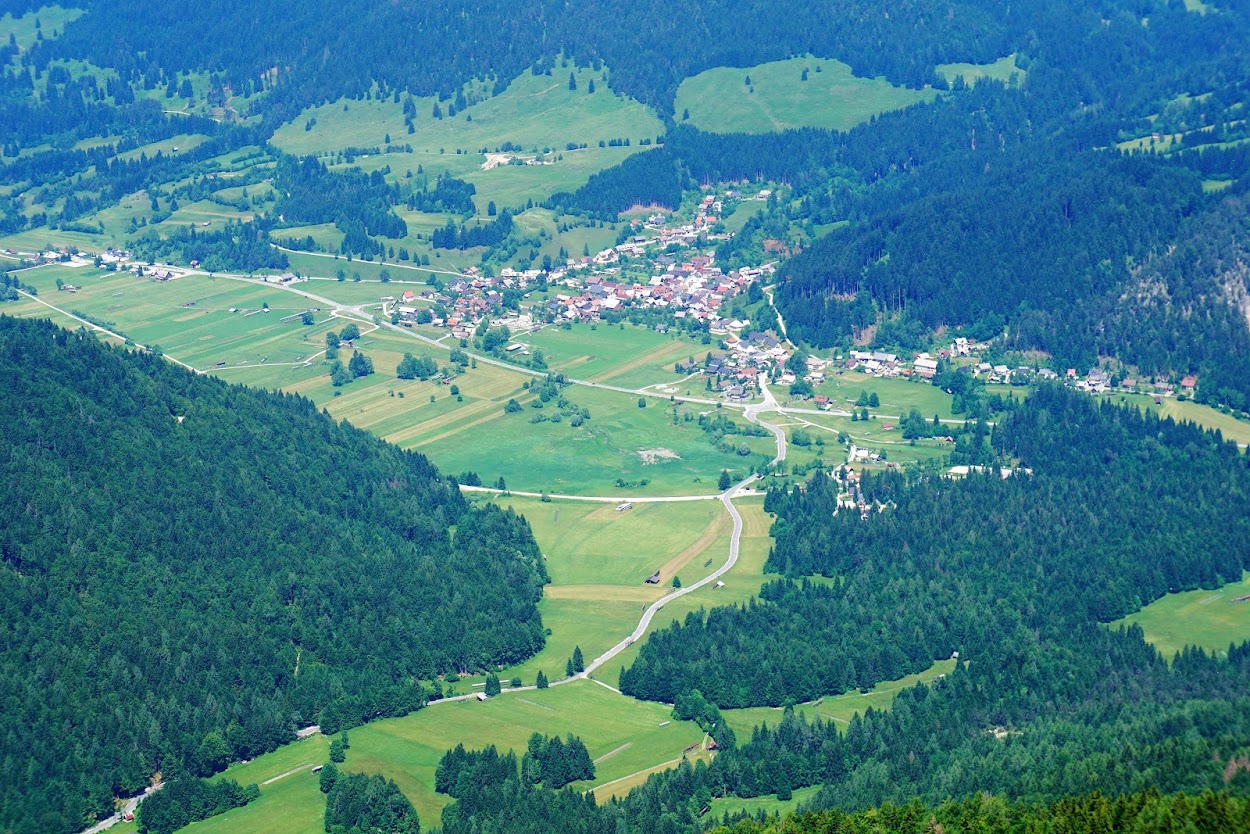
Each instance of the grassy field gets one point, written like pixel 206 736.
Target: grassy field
pixel 182 142
pixel 598 558
pixel 742 582
pixel 872 435
pixel 768 805
pixel 897 396
pixel 51 22
pixel 1203 415
pixel 1000 70
pixel 626 356
pixel 190 318
pixel 534 112
pixel 621 442
pixel 719 100
pixel 838 708
pixel 1206 618
pixel 624 735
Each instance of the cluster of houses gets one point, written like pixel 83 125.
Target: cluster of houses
pixel 694 289
pixel 736 371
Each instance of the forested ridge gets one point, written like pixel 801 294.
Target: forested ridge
pixel 191 570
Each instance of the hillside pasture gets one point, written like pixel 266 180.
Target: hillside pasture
pixel 742 582
pixel 534 112
pixel 1210 619
pixel 189 318
pixel 837 708
pixel 408 749
pixel 1231 427
pixel 720 101
pixel 598 559
pixel 1001 70
pixel 49 21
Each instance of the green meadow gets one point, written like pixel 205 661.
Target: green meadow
pixel 777 98
pixel 626 356
pixel 535 111
pixel 768 805
pixel 620 442
pixel 190 318
pixel 742 582
pixel 897 396
pixel 1211 619
pixel 1232 428
pixel 837 708
pixel 1001 70
pixel 26 28
pixel 623 735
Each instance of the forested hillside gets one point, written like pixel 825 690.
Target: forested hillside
pixel 191 570
pixel 1014 574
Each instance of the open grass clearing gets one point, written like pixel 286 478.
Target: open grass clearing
pixel 169 147
pixel 615 354
pixel 408 749
pixel 1001 70
pixel 897 396
pixel 837 708
pixel 190 318
pixel 589 459
pixel 595 544
pixel 43 239
pixel 293 805
pixel 48 20
pixel 768 805
pixel 535 111
pixel 742 582
pixel 1203 415
pixel 777 98
pixel 598 559
pixel 1211 619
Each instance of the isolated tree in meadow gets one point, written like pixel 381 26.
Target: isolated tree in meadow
pixel 332 339
pixel 493 687
pixel 863 399
pixel 360 365
pixel 724 482
pixel 568 668
pixel 572 81
pixel 339 375
pixel 385 275
pixel 590 87
pixel 579 665
pixel 501 485
pixel 873 400
pixel 350 333
pixel 307 318
pixel 541 681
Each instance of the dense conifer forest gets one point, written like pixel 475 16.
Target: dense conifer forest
pixel 191 570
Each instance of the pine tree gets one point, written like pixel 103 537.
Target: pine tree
pixel 579 665
pixel 541 682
